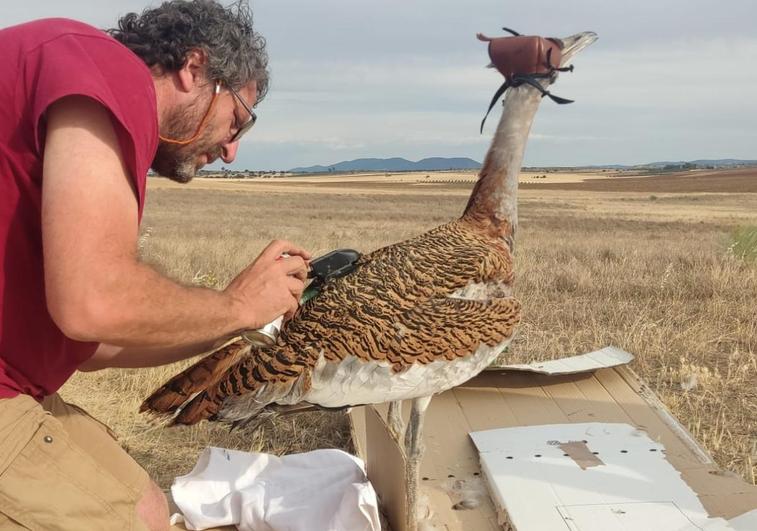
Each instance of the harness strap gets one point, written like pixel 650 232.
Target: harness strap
pixel 531 80
pixel 501 90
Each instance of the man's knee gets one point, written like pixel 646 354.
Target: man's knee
pixel 152 508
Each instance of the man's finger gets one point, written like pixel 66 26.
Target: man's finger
pixel 298 251
pixel 275 249
pixel 294 250
pixel 296 287
pixel 287 247
pixel 294 305
pixel 295 266
pixel 300 274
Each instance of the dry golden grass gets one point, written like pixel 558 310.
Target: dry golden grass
pixel 651 275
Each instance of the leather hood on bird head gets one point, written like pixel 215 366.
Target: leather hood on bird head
pixel 521 54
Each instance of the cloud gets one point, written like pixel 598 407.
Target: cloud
pixel 354 78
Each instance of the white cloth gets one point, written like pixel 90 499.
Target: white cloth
pixel 323 490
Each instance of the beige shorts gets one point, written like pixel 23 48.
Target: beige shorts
pixel 61 469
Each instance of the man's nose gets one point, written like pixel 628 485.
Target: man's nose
pixel 229 151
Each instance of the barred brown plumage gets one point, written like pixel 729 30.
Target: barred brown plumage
pixel 411 320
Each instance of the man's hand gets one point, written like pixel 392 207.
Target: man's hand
pixel 271 286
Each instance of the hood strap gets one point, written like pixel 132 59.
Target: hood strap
pixel 501 90
pixel 531 79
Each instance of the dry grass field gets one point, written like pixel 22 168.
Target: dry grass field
pixel 647 264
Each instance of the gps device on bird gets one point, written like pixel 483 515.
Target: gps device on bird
pixel 331 265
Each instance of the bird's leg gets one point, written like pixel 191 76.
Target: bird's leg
pixel 413 454
pixel 394 421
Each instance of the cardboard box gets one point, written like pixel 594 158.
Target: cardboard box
pixel 522 396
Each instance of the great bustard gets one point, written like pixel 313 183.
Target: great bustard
pixel 413 319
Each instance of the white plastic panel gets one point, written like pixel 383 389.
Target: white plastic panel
pixel 540 487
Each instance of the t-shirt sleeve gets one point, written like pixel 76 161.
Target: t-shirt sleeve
pixel 100 68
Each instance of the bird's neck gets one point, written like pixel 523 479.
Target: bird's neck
pixel 493 204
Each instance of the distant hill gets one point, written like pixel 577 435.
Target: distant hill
pixel 394 164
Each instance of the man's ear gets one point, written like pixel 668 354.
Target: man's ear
pixel 193 71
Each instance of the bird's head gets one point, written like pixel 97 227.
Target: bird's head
pixel 531 55
pixel 533 60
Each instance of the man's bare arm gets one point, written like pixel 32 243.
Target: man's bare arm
pixel 96 288
pixel 112 356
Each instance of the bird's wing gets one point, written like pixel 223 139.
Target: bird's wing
pixel 396 278
pixel 438 329
pixel 449 328
pixel 352 312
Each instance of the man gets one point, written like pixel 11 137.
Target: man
pixel 84 115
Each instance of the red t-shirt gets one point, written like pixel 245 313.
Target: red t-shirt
pixel 43 61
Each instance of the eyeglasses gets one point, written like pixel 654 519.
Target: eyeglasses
pixel 246 126
pixel 241 129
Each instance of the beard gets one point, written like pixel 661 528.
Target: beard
pixel 179 162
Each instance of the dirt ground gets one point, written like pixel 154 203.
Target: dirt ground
pixel 743 180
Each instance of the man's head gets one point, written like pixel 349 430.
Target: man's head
pixel 213 69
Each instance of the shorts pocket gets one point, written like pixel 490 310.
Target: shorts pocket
pixel 52 484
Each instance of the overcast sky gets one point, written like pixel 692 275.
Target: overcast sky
pixel 667 79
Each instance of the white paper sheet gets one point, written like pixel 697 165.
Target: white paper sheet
pixel 324 489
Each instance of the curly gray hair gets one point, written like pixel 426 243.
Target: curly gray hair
pixel 163 36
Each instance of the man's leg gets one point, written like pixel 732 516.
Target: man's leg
pixel 100 442
pixel 61 469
